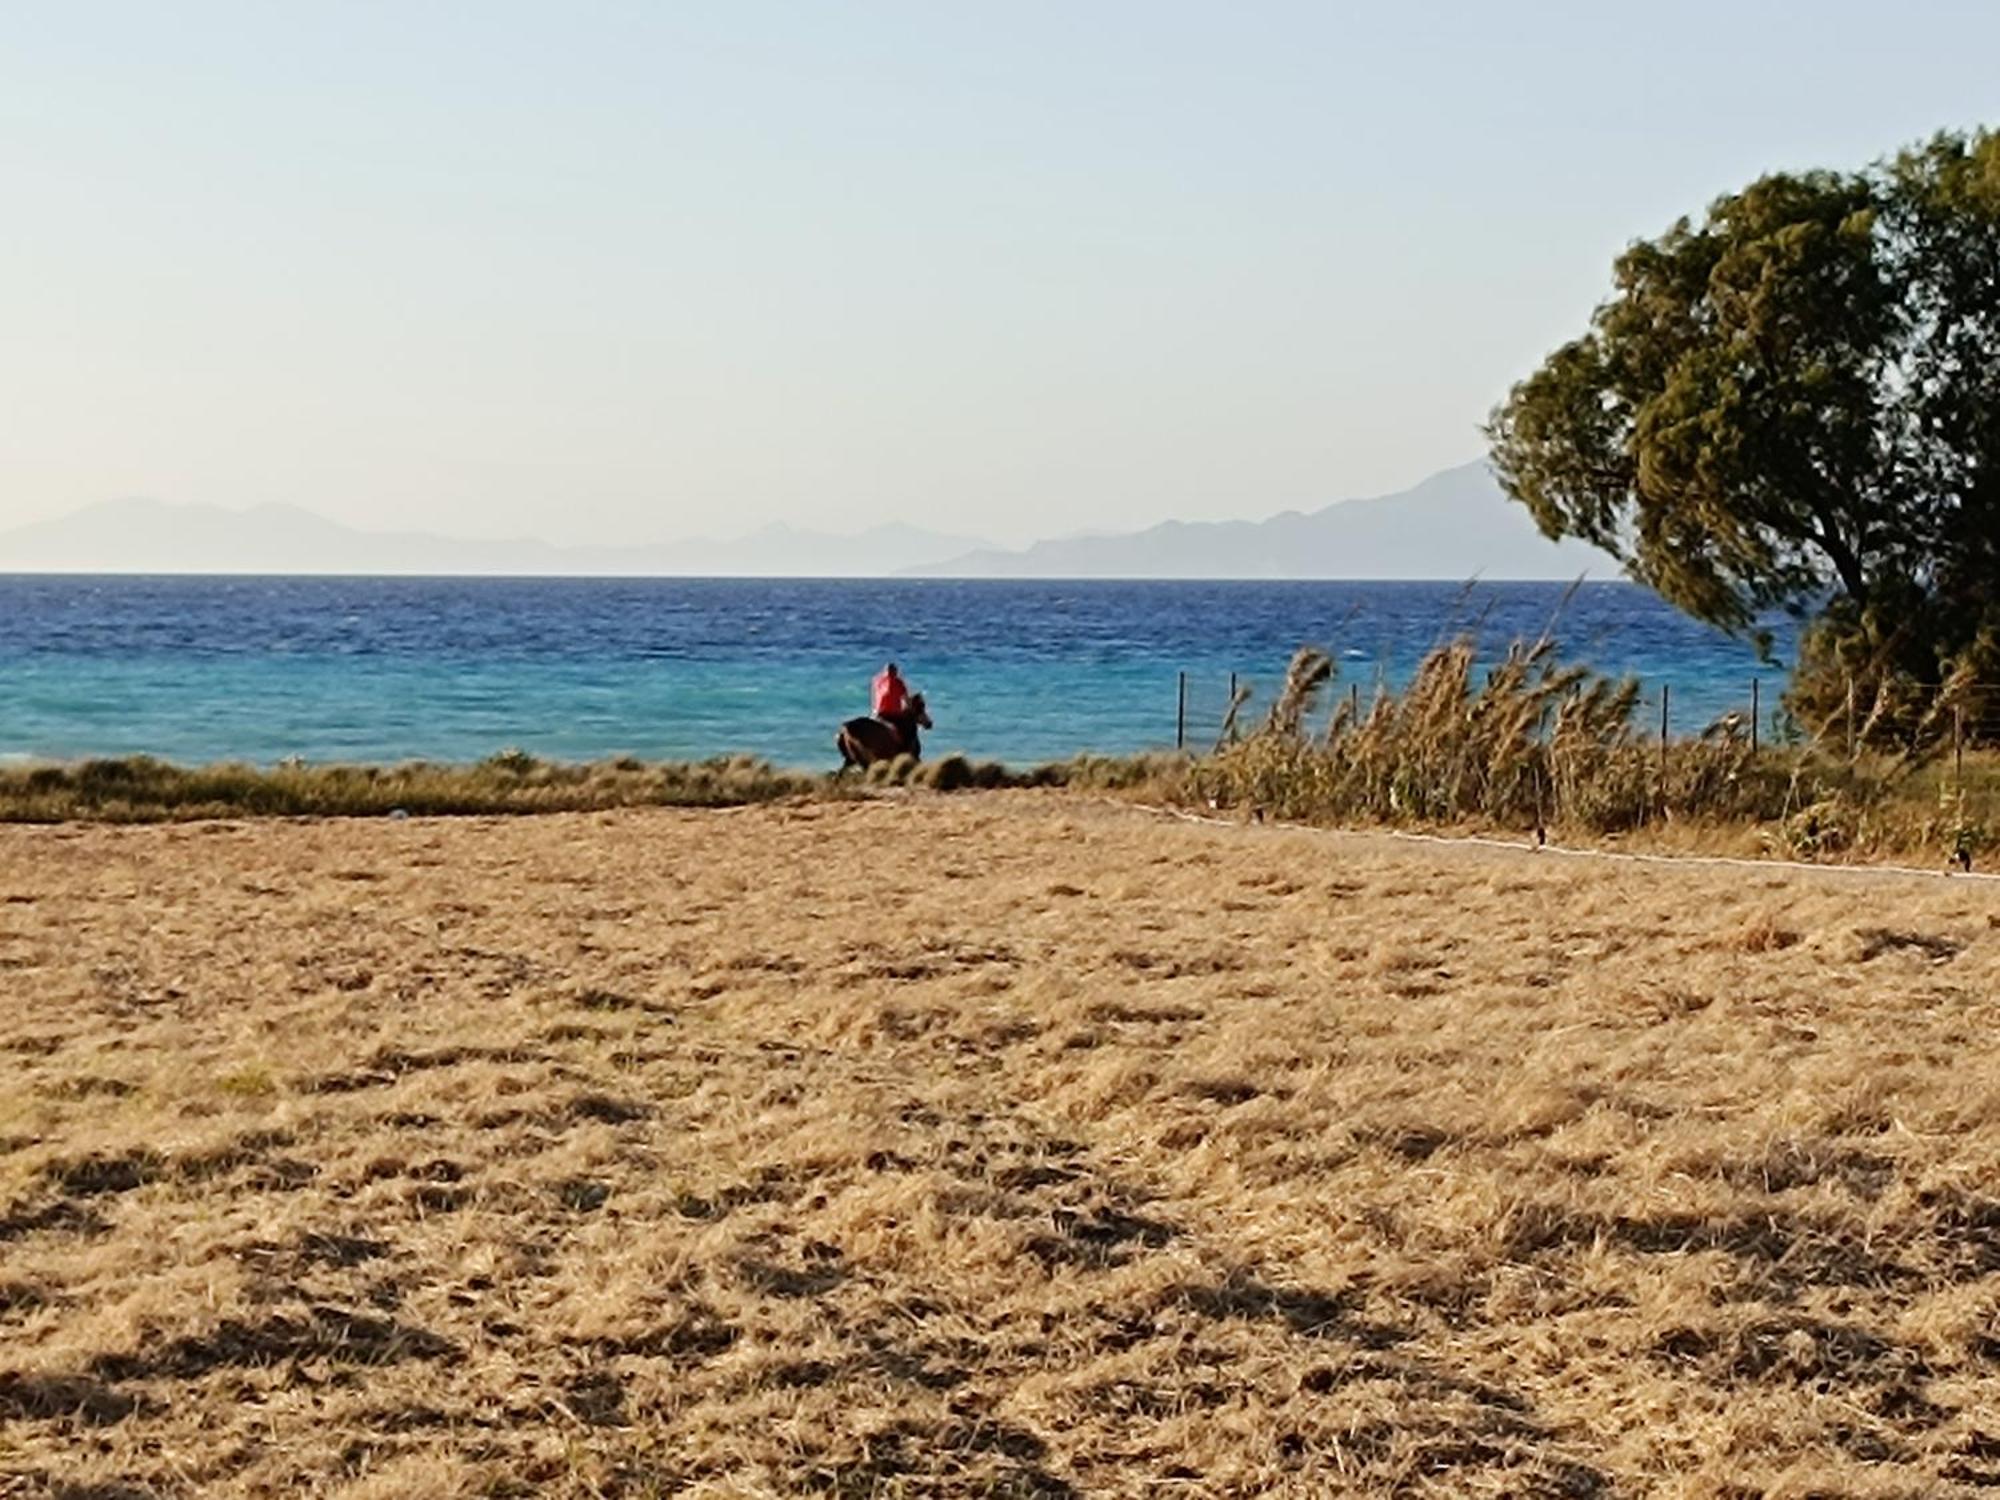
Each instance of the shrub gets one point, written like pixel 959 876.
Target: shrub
pixel 1829 825
pixel 952 774
pixel 511 762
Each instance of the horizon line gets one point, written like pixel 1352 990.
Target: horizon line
pixel 912 577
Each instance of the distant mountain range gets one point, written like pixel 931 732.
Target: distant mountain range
pixel 151 536
pixel 1454 525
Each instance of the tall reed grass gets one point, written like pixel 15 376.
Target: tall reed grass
pixel 1533 744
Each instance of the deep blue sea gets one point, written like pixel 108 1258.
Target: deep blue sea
pixel 454 669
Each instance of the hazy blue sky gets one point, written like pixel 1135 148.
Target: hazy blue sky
pixel 634 271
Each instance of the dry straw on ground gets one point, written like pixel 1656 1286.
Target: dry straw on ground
pixel 1005 1144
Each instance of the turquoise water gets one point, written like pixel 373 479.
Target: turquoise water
pixel 388 669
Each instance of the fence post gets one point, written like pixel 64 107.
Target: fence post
pixel 1180 711
pixel 1354 701
pixel 1666 696
pixel 1755 710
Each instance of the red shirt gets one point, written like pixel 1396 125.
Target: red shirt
pixel 892 696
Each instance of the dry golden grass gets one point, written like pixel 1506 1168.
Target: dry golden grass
pixel 1007 1144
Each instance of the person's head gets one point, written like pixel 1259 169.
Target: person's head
pixel 890 671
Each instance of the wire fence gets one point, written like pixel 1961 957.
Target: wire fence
pixel 1210 708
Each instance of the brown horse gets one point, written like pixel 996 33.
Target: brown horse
pixel 862 742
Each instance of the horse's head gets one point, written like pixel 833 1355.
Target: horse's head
pixel 918 712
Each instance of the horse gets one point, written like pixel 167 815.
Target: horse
pixel 863 741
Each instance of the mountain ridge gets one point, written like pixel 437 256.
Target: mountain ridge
pixel 1455 524
pixel 155 536
pixel 1458 523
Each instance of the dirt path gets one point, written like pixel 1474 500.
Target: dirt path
pixel 990 1145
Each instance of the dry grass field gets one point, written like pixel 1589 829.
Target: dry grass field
pixel 1007 1144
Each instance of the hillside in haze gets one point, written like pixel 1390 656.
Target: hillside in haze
pixel 1453 525
pixel 150 536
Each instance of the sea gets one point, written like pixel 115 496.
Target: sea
pixel 329 669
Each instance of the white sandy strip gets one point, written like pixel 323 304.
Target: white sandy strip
pixel 1569 852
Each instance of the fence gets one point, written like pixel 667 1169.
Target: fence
pixel 1208 708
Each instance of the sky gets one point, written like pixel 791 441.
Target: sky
pixel 629 272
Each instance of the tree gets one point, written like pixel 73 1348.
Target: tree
pixel 1796 405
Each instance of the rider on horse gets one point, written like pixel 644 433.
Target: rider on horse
pixel 891 698
pixel 892 732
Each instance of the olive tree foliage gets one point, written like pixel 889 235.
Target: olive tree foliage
pixel 1795 405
